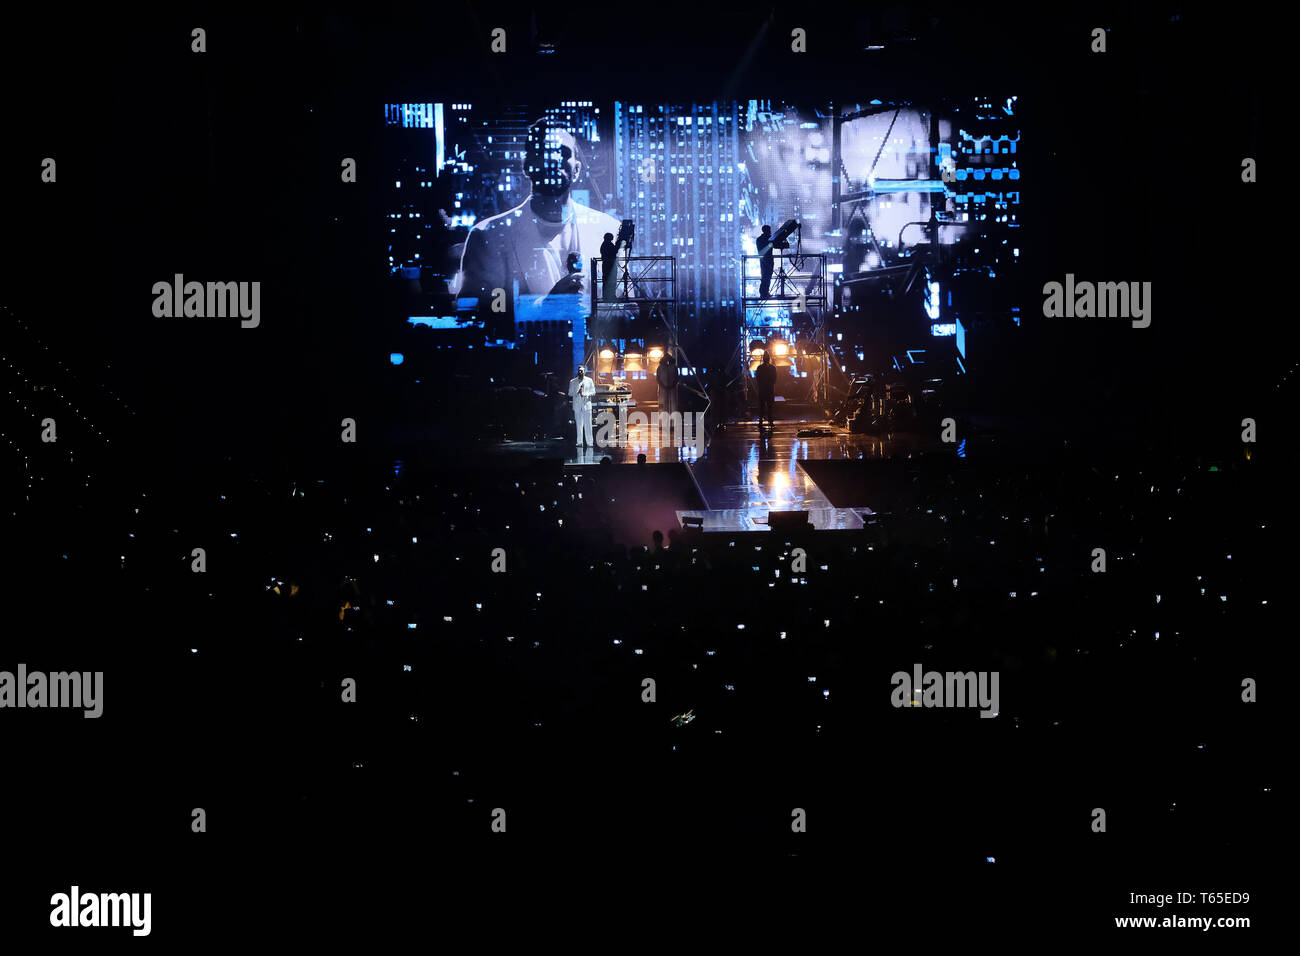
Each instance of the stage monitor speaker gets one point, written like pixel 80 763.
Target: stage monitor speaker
pixel 788 520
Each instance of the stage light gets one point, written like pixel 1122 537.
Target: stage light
pixel 632 355
pixel 656 353
pixel 607 353
pixel 756 353
pixel 780 348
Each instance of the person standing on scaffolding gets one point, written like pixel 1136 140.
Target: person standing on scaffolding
pixel 609 250
pixel 764 244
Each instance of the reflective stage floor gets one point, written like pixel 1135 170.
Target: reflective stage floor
pixel 744 473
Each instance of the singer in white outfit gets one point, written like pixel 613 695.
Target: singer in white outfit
pixel 581 390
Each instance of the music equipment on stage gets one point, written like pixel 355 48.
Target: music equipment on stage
pixel 899 409
pixel 612 397
pixel 788 520
pixel 857 411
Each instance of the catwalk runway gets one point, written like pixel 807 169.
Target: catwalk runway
pixel 744 473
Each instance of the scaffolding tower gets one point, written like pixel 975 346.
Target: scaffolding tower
pixel 795 308
pixel 643 287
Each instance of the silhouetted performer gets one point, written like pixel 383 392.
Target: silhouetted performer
pixel 764 242
pixel 765 376
pixel 666 376
pixel 609 267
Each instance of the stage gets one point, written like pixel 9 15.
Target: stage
pixel 743 473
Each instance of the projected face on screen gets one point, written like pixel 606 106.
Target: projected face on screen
pixel 538 252
pixel 699 180
pixel 552 161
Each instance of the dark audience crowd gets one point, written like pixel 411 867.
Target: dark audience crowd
pixel 500 634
